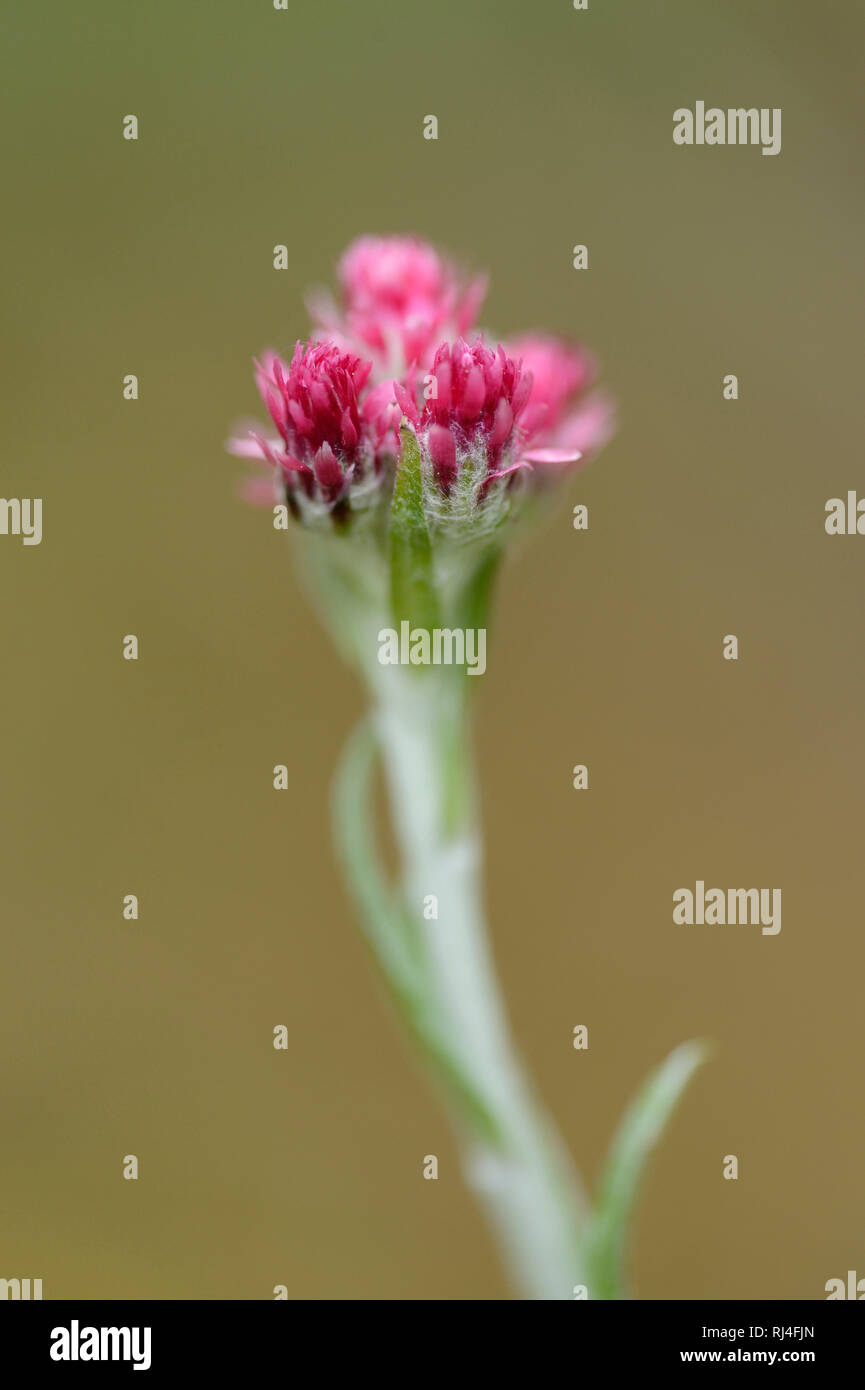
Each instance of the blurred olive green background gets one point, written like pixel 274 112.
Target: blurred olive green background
pixel 305 127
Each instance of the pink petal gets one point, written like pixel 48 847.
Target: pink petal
pixel 552 456
pixel 506 472
pixel 406 404
pixel 443 452
pixel 244 447
pixel 589 427
pixel 258 492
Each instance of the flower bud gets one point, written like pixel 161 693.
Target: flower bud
pixel 471 432
pixel 399 299
pixel 336 442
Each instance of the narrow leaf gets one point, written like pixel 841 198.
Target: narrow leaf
pixel 379 911
pixel 389 933
pixel 640 1130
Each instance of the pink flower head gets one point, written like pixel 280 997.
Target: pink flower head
pixel 473 400
pixel 396 346
pixel 399 300
pixel 332 434
pixel 561 420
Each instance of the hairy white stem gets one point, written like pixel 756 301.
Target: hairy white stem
pixel 525 1181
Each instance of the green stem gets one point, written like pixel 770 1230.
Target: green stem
pixel 438 966
pixel 522 1176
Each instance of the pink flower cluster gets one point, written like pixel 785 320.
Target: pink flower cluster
pixel 396 347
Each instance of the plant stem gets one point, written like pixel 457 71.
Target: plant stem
pixel 523 1177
